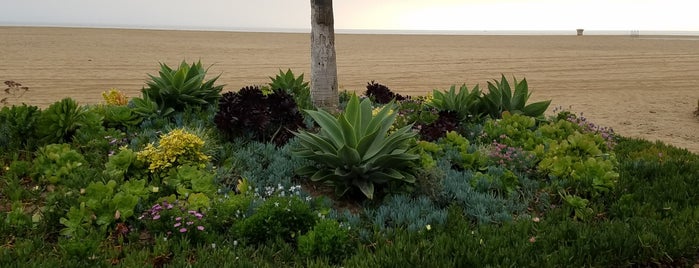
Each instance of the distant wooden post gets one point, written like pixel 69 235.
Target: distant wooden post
pixel 580 32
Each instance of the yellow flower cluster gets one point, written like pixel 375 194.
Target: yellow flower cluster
pixel 115 97
pixel 376 111
pixel 176 148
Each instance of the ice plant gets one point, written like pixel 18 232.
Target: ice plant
pixel 173 219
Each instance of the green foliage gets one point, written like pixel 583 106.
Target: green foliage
pixel 328 239
pixel 356 149
pixel 461 153
pixel 148 109
pixel 124 165
pixel 578 165
pixel 277 217
pixel 226 211
pixel 16 221
pixel 119 117
pixel 110 202
pixel 464 103
pixel 62 120
pixel 18 127
pixel 500 98
pixel 656 180
pixel 187 179
pixel 295 86
pixel 513 130
pixel 56 163
pixel 182 87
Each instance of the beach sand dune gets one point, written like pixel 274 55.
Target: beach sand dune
pixel 642 87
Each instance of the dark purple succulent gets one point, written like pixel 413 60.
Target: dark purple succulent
pixel 250 113
pixel 447 121
pixel 380 93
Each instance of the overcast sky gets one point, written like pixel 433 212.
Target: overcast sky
pixel 664 15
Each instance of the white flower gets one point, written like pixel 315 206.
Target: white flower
pixel 428 227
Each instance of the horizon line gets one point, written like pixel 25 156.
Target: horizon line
pixel 365 31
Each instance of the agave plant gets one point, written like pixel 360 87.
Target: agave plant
pixel 294 86
pixel 61 121
pixel 356 150
pixel 464 103
pixel 185 86
pixel 501 99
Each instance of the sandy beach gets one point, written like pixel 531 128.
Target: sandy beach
pixel 644 87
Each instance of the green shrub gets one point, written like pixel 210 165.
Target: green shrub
pixel 327 239
pixel 18 128
pixel 355 150
pixel 500 98
pixel 62 121
pixel 278 217
pixel 181 88
pixel 294 86
pixel 464 103
pixel 228 210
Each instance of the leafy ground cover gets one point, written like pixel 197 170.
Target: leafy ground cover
pixel 187 176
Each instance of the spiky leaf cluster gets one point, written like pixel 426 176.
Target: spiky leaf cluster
pixel 262 117
pixel 61 121
pixel 182 87
pixel 356 150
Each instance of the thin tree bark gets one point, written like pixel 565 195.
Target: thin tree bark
pixel 323 60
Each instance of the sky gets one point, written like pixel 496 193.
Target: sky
pixel 440 15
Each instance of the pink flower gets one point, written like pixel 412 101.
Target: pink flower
pixel 201 228
pixel 157 216
pixel 177 225
pixel 532 239
pixel 178 219
pixel 190 222
pixel 183 230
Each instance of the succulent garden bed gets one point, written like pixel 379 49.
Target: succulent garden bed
pixel 187 175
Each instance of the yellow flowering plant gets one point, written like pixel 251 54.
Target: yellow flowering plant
pixel 175 148
pixel 115 97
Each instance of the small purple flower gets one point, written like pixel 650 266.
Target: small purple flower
pixel 190 222
pixel 183 230
pixel 177 224
pixel 200 228
pixel 157 216
pixel 178 219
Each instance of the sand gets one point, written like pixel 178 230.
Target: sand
pixel 643 87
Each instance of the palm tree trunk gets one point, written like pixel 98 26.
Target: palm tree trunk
pixel 323 60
